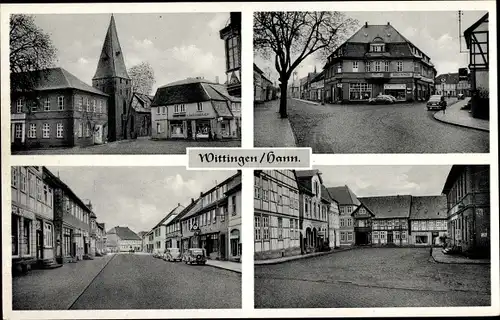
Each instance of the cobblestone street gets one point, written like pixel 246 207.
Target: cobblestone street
pixel 398 128
pixel 371 277
pixel 143 145
pixel 128 281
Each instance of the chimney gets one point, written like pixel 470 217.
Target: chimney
pixel 89 205
pixel 201 193
pixel 388 23
pixel 216 79
pixel 178 204
pixel 366 24
pixel 192 200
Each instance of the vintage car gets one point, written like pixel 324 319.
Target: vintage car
pixel 381 99
pixel 195 255
pixel 172 254
pixel 436 102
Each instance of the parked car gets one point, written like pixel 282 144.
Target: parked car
pixel 195 255
pixel 381 99
pixel 461 96
pixel 393 98
pixel 172 254
pixel 436 102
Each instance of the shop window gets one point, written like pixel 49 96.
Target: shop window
pixel 421 239
pixel 349 236
pixel 177 129
pixel 360 91
pixel 342 236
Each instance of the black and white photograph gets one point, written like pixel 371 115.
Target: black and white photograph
pixel 373 237
pixel 372 82
pixel 91 238
pixel 124 83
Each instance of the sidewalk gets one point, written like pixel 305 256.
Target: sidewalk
pixel 307 101
pixel 228 265
pixel 55 289
pixel 454 115
pixel 303 256
pixel 440 257
pixel 269 129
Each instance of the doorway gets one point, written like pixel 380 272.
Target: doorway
pixel 222 241
pixel 390 237
pixel 98 134
pixel 39 242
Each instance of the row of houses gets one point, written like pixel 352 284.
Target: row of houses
pixel 263 88
pixel 295 213
pixel 212 221
pixel 50 224
pixel 60 110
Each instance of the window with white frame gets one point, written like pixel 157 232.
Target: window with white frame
pixel 179 108
pixel 368 66
pixel 59 130
pixel 87 129
pixel 32 131
pixel 94 108
pixel 80 130
pixel 46 106
pixel 20 105
pixel 80 104
pixel 158 127
pixel 375 235
pixel 342 236
pixel 342 222
pixel 355 66
pixel 386 66
pixel 199 106
pixel 158 110
pixel 100 106
pixel 400 66
pixel 377 66
pixel 349 236
pixel 87 105
pixel 265 227
pixel 258 235
pixel 48 235
pixel 46 130
pixel 280 228
pixel 60 102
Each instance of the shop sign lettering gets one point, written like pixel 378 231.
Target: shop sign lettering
pixel 198 114
pixel 401 74
pixel 377 75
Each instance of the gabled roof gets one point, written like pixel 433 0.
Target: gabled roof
pixel 174 211
pixel 124 233
pixel 344 195
pixel 362 206
pixel 452 176
pixel 111 62
pixel 186 91
pixel 144 102
pixel 192 210
pixel 319 77
pixel 58 78
pixel 100 225
pixel 184 211
pixel 450 78
pixel 429 207
pixel 304 179
pixel 388 206
pixel 469 30
pixel 257 69
pixel 326 195
pixel 142 234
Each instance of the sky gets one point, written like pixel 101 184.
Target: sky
pixel 435 33
pixel 368 181
pixel 176 45
pixel 137 197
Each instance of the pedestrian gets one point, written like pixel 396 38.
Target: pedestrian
pixel 443 105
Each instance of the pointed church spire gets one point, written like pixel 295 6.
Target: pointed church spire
pixel 111 62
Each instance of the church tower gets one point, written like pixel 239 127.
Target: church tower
pixel 112 78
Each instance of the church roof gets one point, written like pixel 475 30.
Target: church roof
pixel 58 78
pixel 111 62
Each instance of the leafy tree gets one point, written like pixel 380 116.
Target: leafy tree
pixel 293 36
pixel 143 78
pixel 31 49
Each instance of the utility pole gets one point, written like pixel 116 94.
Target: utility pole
pixel 460 36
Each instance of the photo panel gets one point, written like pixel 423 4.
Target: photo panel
pixel 126 83
pixel 373 237
pixel 115 238
pixel 372 81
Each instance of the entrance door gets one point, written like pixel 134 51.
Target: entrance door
pixel 98 134
pixel 222 241
pixel 39 245
pixel 390 237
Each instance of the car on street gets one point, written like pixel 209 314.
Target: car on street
pixel 381 99
pixel 195 255
pixel 436 102
pixel 393 98
pixel 172 254
pixel 461 96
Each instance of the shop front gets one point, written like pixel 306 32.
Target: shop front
pixel 397 90
pixel 234 245
pixel 177 129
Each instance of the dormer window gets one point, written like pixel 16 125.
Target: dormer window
pixel 377 45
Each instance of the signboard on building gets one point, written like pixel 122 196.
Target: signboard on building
pixel 377 75
pixel 401 74
pixel 394 86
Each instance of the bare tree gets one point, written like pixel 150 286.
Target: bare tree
pixel 143 78
pixel 31 49
pixel 293 36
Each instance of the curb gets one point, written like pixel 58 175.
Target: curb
pixel 301 257
pixel 442 262
pixel 458 124
pixel 219 267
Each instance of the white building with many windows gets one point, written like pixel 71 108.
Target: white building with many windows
pixel 276 217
